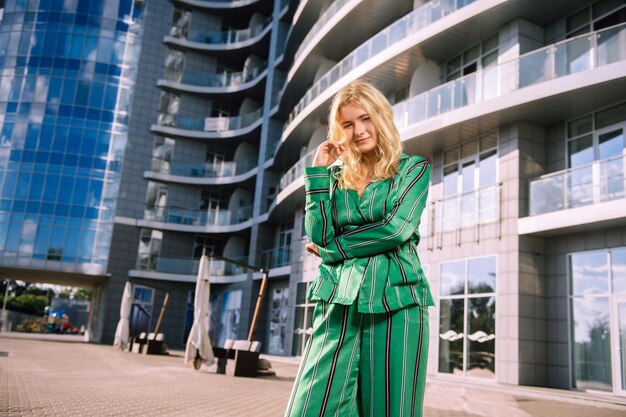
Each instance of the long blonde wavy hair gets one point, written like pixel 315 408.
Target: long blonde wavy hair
pixel 389 147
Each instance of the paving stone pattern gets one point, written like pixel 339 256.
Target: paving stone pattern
pixel 57 378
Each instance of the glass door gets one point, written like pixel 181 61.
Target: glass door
pixel 619 345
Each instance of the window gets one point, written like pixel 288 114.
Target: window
pixel 470 178
pixel 149 249
pixel 141 310
pixel 600 15
pixel 277 333
pixel 598 288
pixel 479 56
pixel 595 149
pixel 467 323
pixel 303 321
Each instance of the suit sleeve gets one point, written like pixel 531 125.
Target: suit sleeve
pixel 318 221
pixel 397 227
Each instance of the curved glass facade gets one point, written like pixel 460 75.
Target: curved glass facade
pixel 68 70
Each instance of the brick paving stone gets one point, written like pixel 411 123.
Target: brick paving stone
pixel 50 377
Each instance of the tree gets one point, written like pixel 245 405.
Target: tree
pixel 83 294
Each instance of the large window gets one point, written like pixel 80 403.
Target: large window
pixel 598 287
pixel 470 178
pixel 467 323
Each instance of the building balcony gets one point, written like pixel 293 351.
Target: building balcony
pixel 207 127
pixel 186 269
pixel 338 22
pixel 276 257
pixel 392 35
pixel 576 199
pixel 197 221
pixel 219 4
pixel 226 82
pixel 435 32
pixel 296 171
pixel 385 46
pixel 227 172
pixel 573 56
pixel 218 41
pixel 468 209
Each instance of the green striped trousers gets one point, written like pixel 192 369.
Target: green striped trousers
pixel 361 364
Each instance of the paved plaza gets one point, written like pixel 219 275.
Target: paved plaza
pixel 58 376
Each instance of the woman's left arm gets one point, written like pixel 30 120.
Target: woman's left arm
pixel 396 228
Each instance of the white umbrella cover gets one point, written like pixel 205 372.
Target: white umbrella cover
pixel 199 348
pixel 123 326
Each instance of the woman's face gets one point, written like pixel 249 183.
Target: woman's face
pixel 358 128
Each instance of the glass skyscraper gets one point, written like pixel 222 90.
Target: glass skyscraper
pixel 67 75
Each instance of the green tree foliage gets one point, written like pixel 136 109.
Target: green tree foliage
pixel 28 303
pixel 83 294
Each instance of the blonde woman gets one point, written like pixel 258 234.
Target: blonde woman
pixel 364 198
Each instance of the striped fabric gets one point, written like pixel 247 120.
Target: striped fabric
pixel 368 245
pixel 360 364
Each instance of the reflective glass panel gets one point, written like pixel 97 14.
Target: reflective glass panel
pixel 452 278
pixel 451 336
pixel 481 329
pixel 592 343
pixel 618 271
pixel 481 275
pixel 590 273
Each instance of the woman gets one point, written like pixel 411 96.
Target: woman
pixel 364 198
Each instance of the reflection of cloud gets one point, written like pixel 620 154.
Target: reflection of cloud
pixel 451 336
pixel 481 337
pixel 587 312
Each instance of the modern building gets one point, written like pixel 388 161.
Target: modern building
pixel 520 105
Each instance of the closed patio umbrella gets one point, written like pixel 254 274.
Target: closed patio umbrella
pixel 199 348
pixel 123 326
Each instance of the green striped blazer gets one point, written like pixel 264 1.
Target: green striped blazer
pixel 368 246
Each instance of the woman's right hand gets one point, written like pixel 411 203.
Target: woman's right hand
pixel 327 153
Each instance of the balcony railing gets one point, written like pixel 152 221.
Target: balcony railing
pixel 230 37
pixel 276 257
pixel 582 53
pixel 323 19
pixel 397 32
pixel 206 170
pixel 296 171
pixel 210 217
pixel 187 266
pixel 224 79
pixel 209 124
pixel 469 209
pixel 594 183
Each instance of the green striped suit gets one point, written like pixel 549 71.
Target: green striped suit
pixel 367 354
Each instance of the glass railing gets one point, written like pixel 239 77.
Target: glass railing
pixel 188 266
pixel 276 257
pixel 209 217
pixel 594 183
pixel 209 124
pixel 397 32
pixel 323 19
pixel 224 79
pixel 200 170
pixel 296 171
pixel 469 209
pixel 582 53
pixel 234 36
